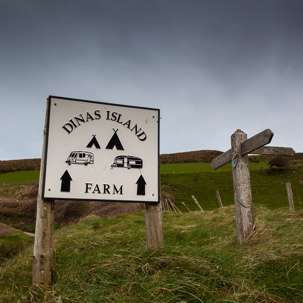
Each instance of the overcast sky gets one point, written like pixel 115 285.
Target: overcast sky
pixel 211 67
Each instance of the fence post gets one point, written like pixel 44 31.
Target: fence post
pixel 290 197
pixel 177 210
pixel 43 246
pixel 183 203
pixel 197 203
pixel 242 188
pixel 153 225
pixel 163 204
pixel 170 207
pixel 219 199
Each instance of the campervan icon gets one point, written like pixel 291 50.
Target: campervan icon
pixel 80 157
pixel 127 162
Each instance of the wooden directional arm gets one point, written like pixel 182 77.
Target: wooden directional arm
pixel 256 141
pixel 247 146
pixel 221 160
pixel 274 151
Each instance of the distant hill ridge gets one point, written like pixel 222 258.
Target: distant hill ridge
pixel 183 157
pixel 191 156
pixel 18 165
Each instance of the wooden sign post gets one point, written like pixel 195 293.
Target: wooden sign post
pixel 153 225
pixel 242 188
pixel 43 246
pixel 238 155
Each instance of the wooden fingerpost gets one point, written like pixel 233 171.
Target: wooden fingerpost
pixel 220 204
pixel 242 189
pixel 43 246
pixel 153 224
pixel 290 196
pixel 238 154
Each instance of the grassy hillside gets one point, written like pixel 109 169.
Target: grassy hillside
pixel 19 177
pixel 12 241
pixel 105 260
pixel 182 180
pixel 178 181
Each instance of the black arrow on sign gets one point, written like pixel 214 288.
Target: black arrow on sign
pixel 141 186
pixel 65 183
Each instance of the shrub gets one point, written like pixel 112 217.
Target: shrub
pixel 280 162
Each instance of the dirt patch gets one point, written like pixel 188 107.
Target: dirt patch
pixel 70 212
pixel 6 230
pixel 110 209
pixel 18 207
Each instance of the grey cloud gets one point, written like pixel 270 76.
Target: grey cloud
pixel 211 66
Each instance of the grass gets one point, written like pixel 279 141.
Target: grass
pixel 182 180
pixel 105 260
pixel 19 177
pixel 12 244
pixel 181 168
pixel 268 187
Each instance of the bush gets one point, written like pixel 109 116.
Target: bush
pixel 280 162
pixel 18 165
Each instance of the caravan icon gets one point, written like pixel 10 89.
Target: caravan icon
pixel 80 157
pixel 127 162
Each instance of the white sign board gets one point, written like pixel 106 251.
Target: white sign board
pixel 101 151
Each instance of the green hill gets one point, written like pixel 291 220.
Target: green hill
pixel 105 260
pixel 182 180
pixel 179 182
pixel 12 241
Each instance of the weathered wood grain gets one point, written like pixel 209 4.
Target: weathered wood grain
pixel 183 203
pixel 43 246
pixel 256 141
pixel 220 204
pixel 242 189
pixel 170 207
pixel 290 196
pixel 274 151
pixel 153 225
pixel 221 160
pixel 175 206
pixel 197 203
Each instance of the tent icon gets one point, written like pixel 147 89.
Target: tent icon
pixel 93 142
pixel 115 142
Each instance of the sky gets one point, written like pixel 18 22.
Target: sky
pixel 210 66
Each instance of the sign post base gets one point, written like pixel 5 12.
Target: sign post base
pixel 153 221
